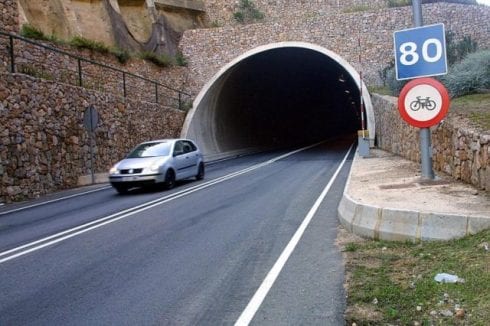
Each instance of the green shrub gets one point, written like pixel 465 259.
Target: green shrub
pixel 32 32
pixel 83 43
pixel 161 60
pixel 239 16
pixel 456 51
pixel 393 84
pixel 470 75
pixel 357 8
pixel 398 3
pixel 383 73
pixel 122 56
pixel 247 12
pixel 35 33
pixel 180 60
pixel 35 72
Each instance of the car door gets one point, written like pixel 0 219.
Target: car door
pixel 184 160
pixel 179 161
pixel 192 157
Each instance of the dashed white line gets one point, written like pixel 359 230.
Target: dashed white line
pixel 259 296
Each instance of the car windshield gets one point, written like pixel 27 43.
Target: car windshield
pixel 150 150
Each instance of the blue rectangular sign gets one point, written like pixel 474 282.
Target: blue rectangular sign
pixel 420 52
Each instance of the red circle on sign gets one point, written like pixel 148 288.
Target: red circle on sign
pixel 442 111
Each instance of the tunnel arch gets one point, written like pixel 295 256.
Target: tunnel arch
pixel 221 129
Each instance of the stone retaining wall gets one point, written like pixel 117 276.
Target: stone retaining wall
pixel 209 50
pixel 9 15
pixel 41 62
pixel 45 147
pixel 461 152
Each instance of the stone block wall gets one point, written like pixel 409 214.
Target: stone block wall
pixel 44 147
pixel 221 11
pixel 462 152
pixel 9 16
pixel 41 62
pixel 210 49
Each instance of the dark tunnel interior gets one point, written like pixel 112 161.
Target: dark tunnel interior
pixel 281 97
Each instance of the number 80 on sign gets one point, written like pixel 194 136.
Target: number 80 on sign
pixel 420 52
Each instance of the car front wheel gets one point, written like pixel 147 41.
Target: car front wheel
pixel 121 189
pixel 200 173
pixel 169 179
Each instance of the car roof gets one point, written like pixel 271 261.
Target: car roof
pixel 166 140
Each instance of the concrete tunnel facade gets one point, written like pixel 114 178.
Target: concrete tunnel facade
pixel 278 95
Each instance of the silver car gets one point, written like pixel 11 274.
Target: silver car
pixel 158 162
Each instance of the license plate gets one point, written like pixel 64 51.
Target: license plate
pixel 129 178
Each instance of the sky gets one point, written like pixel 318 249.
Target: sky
pixel 486 2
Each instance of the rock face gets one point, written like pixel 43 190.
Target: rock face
pixel 136 25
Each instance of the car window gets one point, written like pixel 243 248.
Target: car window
pixel 187 148
pixel 150 150
pixel 178 149
pixel 191 145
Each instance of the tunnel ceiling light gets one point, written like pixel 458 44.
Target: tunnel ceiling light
pixel 347 91
pixel 341 78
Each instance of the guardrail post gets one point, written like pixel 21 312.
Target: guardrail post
pixel 12 58
pixel 124 84
pixel 156 93
pixel 80 73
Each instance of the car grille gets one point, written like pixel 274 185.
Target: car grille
pixel 131 171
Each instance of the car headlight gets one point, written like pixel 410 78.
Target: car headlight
pixel 155 167
pixel 113 170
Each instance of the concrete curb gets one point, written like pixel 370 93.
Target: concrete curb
pixel 400 225
pixel 384 223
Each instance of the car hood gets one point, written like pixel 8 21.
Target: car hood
pixel 139 163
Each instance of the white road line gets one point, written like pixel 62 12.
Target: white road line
pixel 52 201
pixel 259 296
pixel 70 233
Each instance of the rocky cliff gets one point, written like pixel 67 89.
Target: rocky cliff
pixel 136 25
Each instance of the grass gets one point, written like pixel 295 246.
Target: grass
pixel 393 283
pixel 398 3
pixel 381 90
pixel 35 72
pixel 357 8
pixel 475 107
pixel 29 31
pixel 84 43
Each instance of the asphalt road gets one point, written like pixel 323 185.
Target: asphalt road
pixel 196 255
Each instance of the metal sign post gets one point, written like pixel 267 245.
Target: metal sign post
pixel 90 121
pixel 425 141
pixel 421 52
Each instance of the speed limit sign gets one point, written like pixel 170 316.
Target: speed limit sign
pixel 420 52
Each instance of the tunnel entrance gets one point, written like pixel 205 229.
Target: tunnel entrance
pixel 275 96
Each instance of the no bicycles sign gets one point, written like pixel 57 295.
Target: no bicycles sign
pixel 423 102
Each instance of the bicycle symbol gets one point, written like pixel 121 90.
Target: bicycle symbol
pixel 424 103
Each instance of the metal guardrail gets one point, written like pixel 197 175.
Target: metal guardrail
pixel 80 72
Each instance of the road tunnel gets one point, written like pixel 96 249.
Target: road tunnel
pixel 277 96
